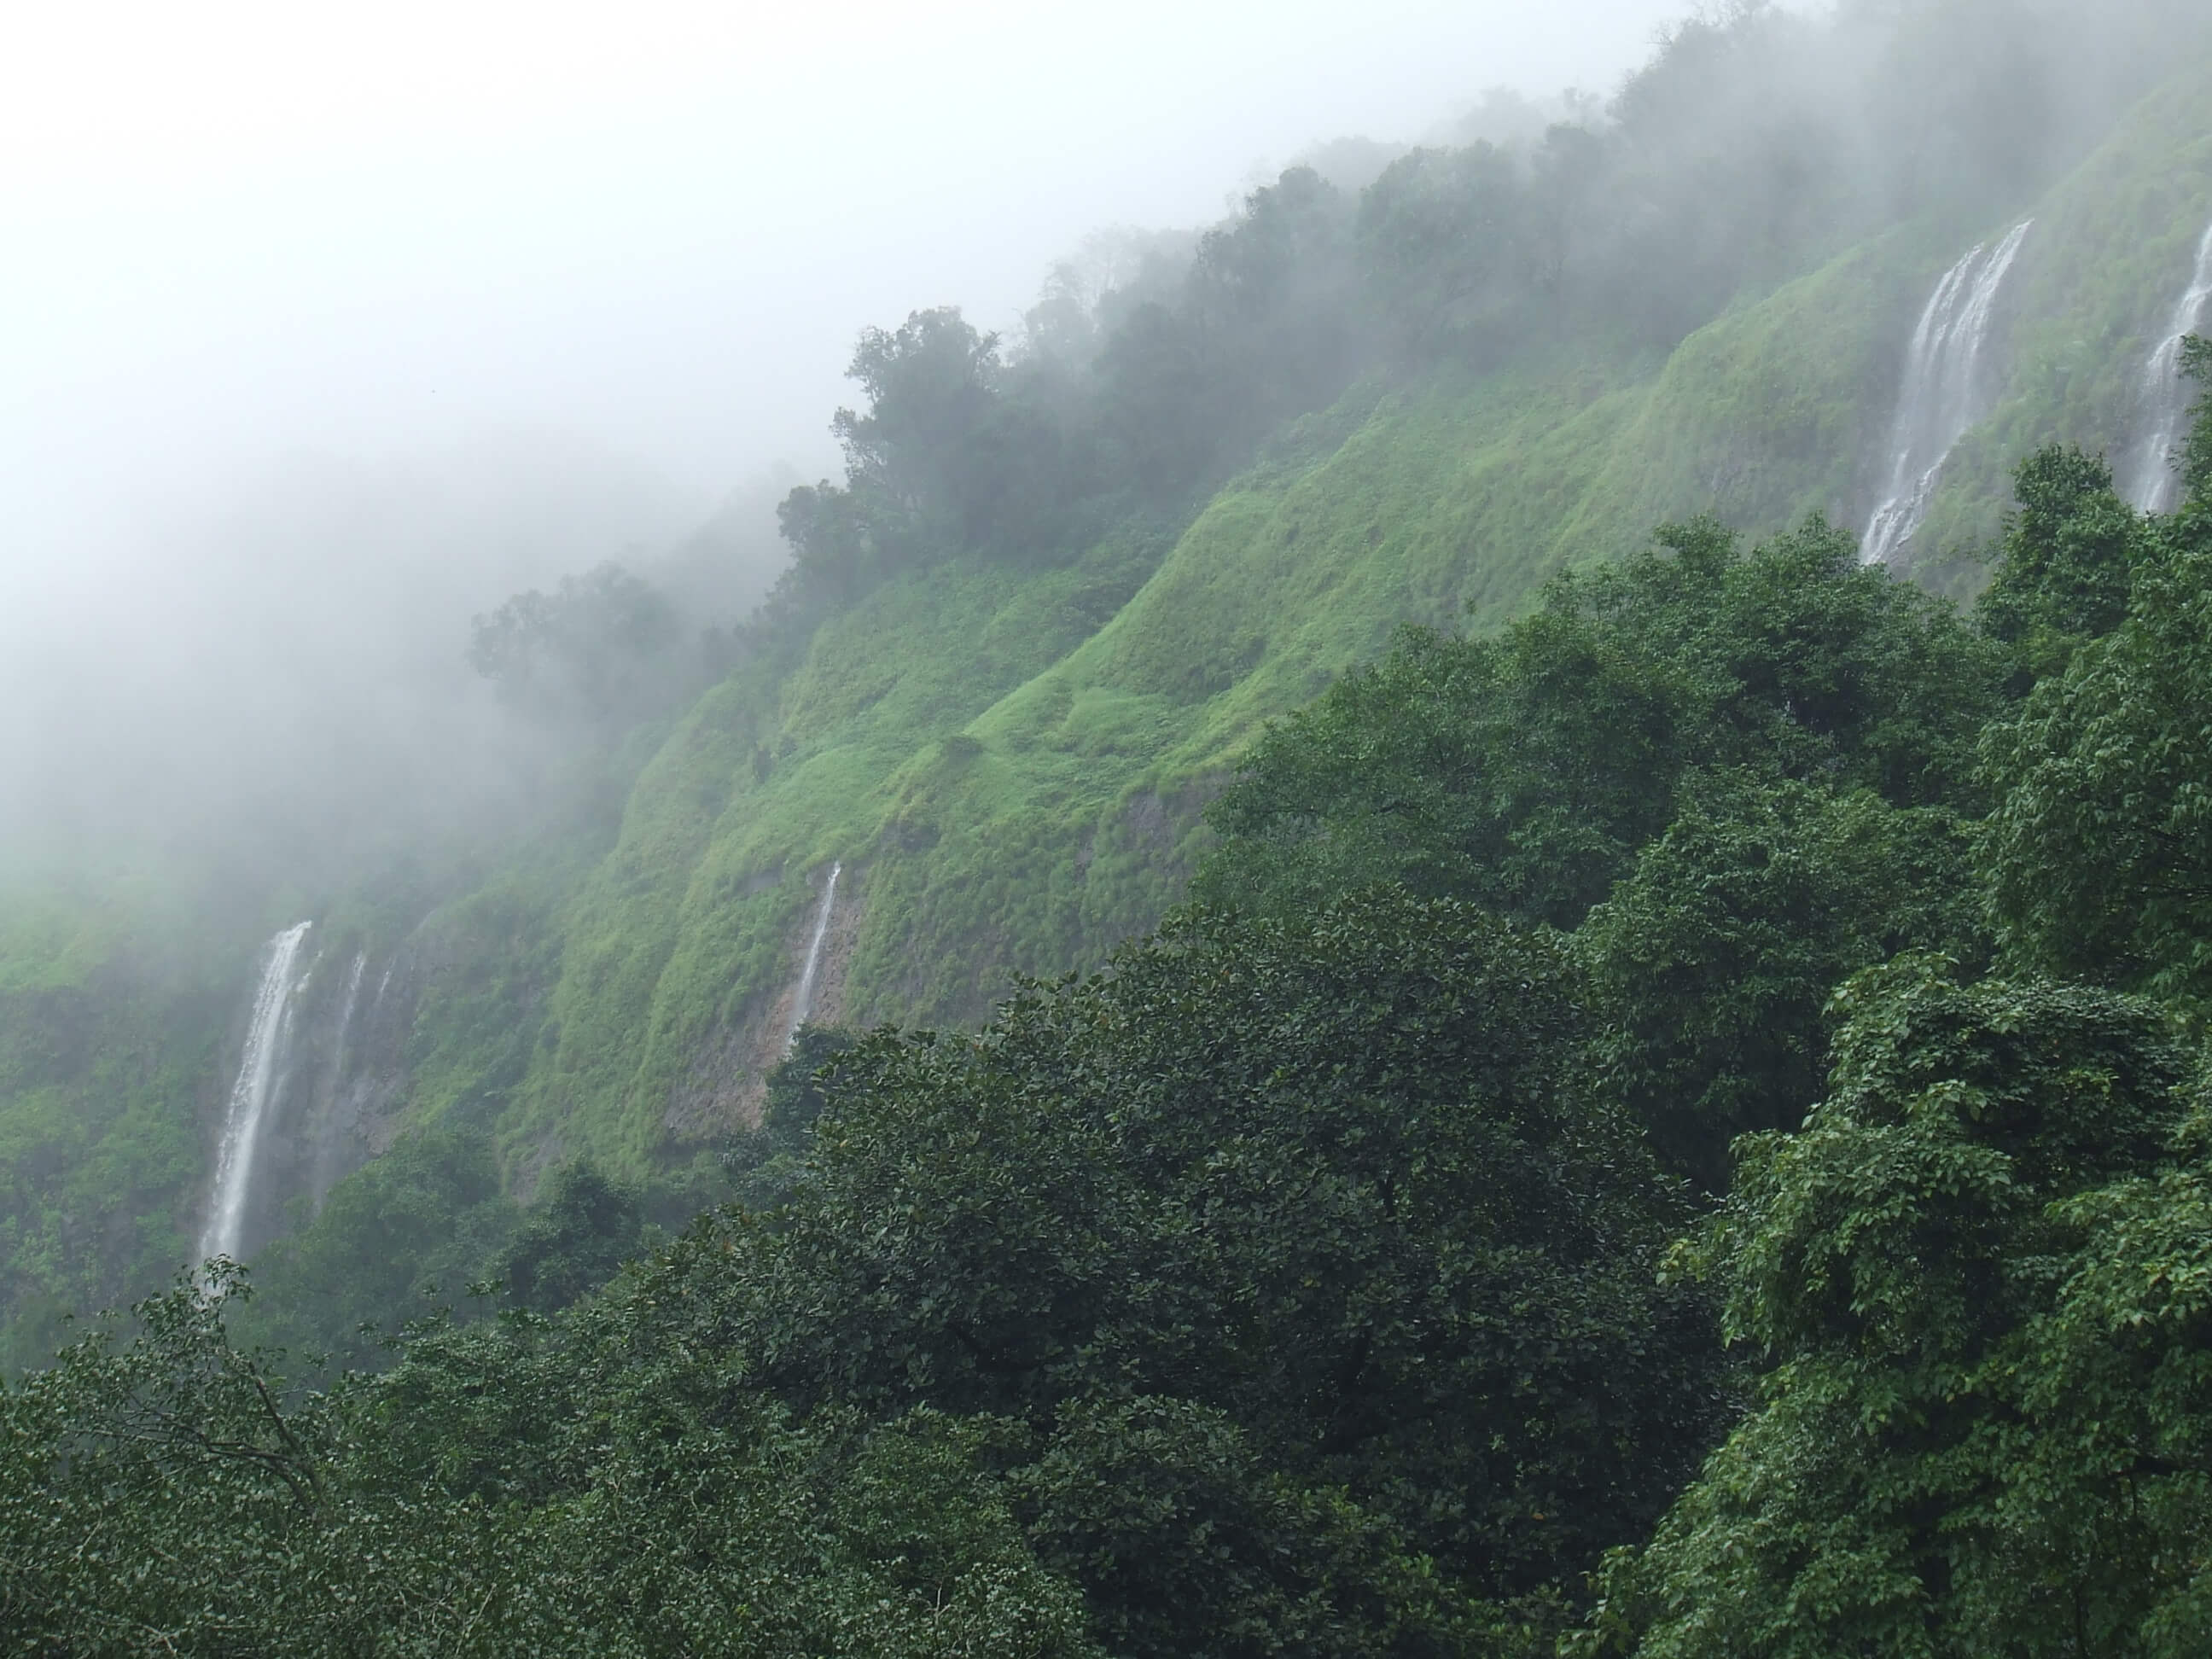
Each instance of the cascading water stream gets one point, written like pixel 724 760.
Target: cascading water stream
pixel 2152 484
pixel 249 1096
pixel 802 999
pixel 1943 394
pixel 345 1017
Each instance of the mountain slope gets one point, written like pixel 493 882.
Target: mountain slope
pixel 1009 766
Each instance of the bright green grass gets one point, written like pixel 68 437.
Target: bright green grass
pixel 1010 764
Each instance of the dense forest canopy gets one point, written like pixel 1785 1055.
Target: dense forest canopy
pixel 1679 1124
pixel 1313 1277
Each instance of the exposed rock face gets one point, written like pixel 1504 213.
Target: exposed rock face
pixel 727 1084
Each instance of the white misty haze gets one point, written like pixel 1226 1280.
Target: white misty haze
pixel 238 234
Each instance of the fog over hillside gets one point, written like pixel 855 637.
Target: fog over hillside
pixel 320 337
pixel 1354 832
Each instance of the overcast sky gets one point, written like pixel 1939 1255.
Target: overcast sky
pixel 324 327
pixel 235 231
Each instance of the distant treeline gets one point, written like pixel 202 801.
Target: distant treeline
pixel 1755 143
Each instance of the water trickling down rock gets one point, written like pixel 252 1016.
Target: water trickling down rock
pixel 1944 392
pixel 2152 484
pixel 259 1068
pixel 802 999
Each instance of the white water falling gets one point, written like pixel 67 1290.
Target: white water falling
pixel 1943 392
pixel 249 1096
pixel 345 1017
pixel 802 999
pixel 2152 484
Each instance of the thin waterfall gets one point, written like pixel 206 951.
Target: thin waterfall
pixel 802 999
pixel 1944 393
pixel 2151 482
pixel 323 1128
pixel 249 1095
pixel 346 1018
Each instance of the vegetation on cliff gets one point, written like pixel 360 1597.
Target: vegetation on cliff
pixel 1718 1230
pixel 1405 1066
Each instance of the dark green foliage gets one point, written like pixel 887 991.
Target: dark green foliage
pixel 1187 1542
pixel 2197 456
pixel 1435 769
pixel 799 1088
pixel 1524 773
pixel 410 1229
pixel 501 1491
pixel 2102 835
pixel 1986 1408
pixel 586 1225
pixel 1712 959
pixel 764 1164
pixel 1757 758
pixel 117 1465
pixel 1976 1277
pixel 1330 1181
pixel 2068 559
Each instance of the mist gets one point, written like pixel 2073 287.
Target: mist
pixel 321 337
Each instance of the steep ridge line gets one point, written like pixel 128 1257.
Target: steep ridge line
pixel 1021 780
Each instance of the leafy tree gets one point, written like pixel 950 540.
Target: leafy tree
pixel 588 1226
pixel 918 461
pixel 1190 1543
pixel 1447 248
pixel 509 1487
pixel 422 1221
pixel 1157 401
pixel 1270 292
pixel 2196 454
pixel 602 647
pixel 1521 775
pixel 2101 839
pixel 834 559
pixel 1713 959
pixel 2068 561
pixel 1928 1269
pixel 1330 1181
pixel 766 1164
pixel 1525 773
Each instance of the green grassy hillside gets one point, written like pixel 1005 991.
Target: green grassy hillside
pixel 114 1012
pixel 1010 766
